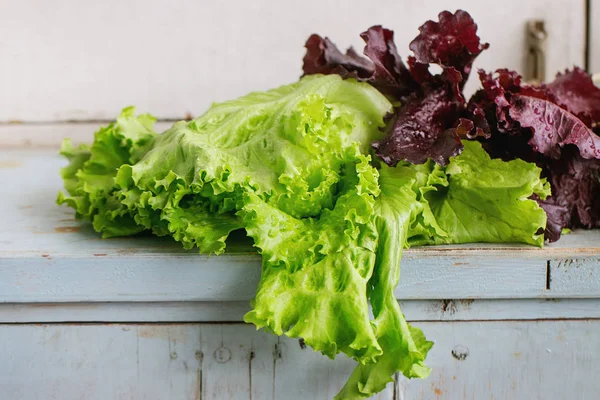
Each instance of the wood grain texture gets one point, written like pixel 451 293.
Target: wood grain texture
pixel 235 278
pixel 519 360
pixel 47 256
pixel 233 311
pixel 579 277
pixel 18 135
pixel 550 360
pixel 73 60
pixel 99 362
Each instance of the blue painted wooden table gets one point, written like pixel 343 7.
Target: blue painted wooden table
pixel 140 318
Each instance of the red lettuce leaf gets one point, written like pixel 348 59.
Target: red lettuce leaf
pixel 383 69
pixel 390 75
pixel 557 217
pixel 422 129
pixel 323 57
pixel 576 186
pixel 575 91
pixel 427 123
pixel 452 43
pixel 555 125
pixel 551 125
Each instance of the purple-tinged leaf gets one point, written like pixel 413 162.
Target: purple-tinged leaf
pixel 575 91
pixel 451 43
pixel 422 128
pixel 323 57
pixel 553 127
pixel 383 69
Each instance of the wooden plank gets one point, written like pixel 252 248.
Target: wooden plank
pixel 66 362
pixel 91 61
pixel 238 362
pixel 166 357
pixel 184 311
pixel 303 373
pixel 550 360
pixel 576 278
pixel 478 276
pixel 129 278
pixel 235 278
pixel 226 364
pixel 213 311
pixel 500 310
pixel 502 360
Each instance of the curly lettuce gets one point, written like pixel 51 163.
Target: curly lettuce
pixel 292 168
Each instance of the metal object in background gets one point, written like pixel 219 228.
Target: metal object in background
pixel 535 71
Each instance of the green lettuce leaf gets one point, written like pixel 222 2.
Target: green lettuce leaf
pixel 291 167
pixel 404 347
pixel 90 176
pixel 288 146
pixel 479 199
pixel 315 270
pixel 473 199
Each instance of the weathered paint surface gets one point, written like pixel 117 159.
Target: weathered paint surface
pixel 546 360
pixel 47 256
pixel 576 277
pixel 470 360
pixel 233 311
pixel 90 60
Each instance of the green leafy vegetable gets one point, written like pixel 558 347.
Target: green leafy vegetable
pixel 90 176
pixel 479 199
pixel 291 167
pixel 474 198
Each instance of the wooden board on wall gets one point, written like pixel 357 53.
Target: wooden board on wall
pixel 470 360
pixel 73 60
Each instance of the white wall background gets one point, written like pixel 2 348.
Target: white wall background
pixel 84 60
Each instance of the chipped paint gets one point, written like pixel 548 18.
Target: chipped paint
pixel 67 229
pixel 460 352
pixel 448 306
pixel 162 332
pixel 438 387
pixel 10 164
pixel 126 251
pixel 302 343
pixel 466 303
